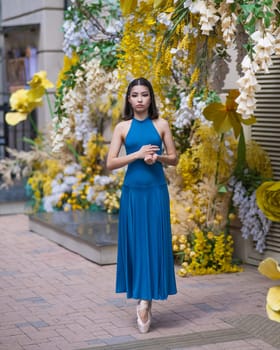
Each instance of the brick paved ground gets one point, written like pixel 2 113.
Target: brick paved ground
pixel 53 299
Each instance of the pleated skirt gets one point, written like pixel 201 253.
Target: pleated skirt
pixel 145 265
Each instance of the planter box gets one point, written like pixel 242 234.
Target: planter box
pixel 93 235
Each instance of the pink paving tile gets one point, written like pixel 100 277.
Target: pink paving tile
pixel 72 301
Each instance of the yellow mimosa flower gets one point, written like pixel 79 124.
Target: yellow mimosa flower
pixel 175 247
pixel 183 239
pixel 182 246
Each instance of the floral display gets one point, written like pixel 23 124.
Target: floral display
pixel 182 47
pixel 206 29
pixel 24 101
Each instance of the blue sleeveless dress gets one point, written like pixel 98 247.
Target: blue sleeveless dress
pixel 145 266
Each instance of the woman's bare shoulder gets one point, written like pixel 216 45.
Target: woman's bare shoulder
pixel 123 124
pixel 122 128
pixel 162 122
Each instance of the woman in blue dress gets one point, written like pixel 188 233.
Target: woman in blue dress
pixel 145 267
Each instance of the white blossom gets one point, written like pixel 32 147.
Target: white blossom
pixel 228 23
pixel 207 12
pixel 60 132
pixel 102 180
pixel 100 198
pixel 49 202
pixel 263 50
pixel 277 41
pixel 248 87
pixel 184 116
pixel 90 194
pixel 164 18
pixel 72 169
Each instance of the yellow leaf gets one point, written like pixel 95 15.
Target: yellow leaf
pixel 13 118
pixel 269 267
pixel 235 123
pixel 216 112
pixel 230 100
pixel 127 6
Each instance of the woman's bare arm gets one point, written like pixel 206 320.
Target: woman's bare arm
pixel 170 155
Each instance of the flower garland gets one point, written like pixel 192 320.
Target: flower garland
pixel 206 29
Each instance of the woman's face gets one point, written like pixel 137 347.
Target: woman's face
pixel 140 99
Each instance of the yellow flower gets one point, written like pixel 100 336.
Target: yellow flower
pixel 40 80
pixel 22 102
pixel 225 116
pixel 175 247
pixel 182 246
pixel 183 239
pixel 268 199
pixel 270 268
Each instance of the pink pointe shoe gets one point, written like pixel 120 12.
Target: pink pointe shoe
pixel 144 305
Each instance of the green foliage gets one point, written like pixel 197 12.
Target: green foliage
pixel 105 50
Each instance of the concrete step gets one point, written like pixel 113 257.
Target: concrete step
pixel 92 235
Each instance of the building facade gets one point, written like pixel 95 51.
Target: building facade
pixel 31 38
